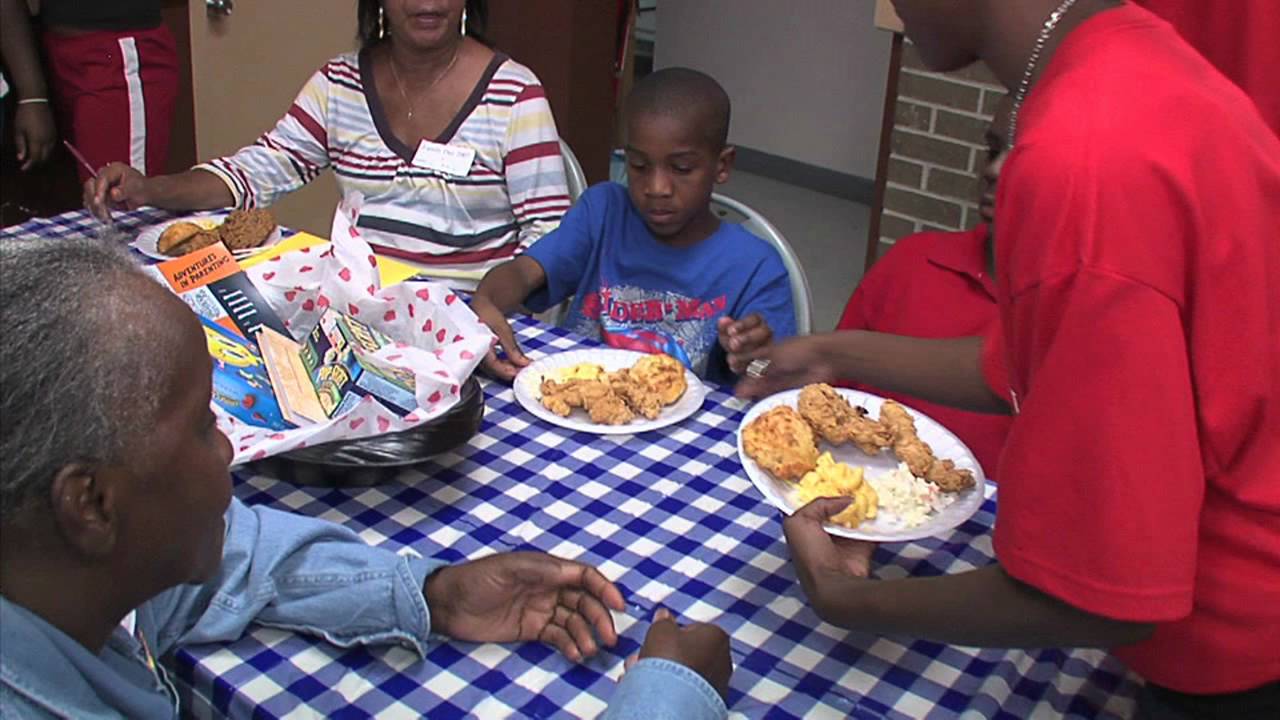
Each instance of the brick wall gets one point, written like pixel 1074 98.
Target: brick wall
pixel 937 149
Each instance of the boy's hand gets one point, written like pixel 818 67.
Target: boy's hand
pixel 701 647
pixel 741 338
pixel 502 368
pixel 825 564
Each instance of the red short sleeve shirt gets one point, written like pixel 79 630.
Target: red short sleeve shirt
pixel 1138 262
pixel 935 285
pixel 1239 39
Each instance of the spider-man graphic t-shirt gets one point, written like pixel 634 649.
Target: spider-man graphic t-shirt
pixel 632 291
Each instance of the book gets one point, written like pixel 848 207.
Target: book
pixel 338 355
pixel 390 270
pixel 213 285
pixel 297 397
pixel 333 370
pixel 241 384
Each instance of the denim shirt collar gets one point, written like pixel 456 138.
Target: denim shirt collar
pixel 57 675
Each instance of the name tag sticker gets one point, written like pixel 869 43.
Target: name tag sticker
pixel 449 159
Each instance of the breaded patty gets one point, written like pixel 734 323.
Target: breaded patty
pixel 662 374
pixel 782 443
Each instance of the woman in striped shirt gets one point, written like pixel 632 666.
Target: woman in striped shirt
pixel 451 144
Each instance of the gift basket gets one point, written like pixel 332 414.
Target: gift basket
pixel 317 361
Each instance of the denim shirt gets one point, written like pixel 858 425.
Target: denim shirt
pixel 281 570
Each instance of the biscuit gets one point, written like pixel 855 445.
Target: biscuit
pixel 175 236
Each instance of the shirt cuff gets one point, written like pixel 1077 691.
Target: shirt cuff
pixel 420 569
pixel 659 689
pixel 237 197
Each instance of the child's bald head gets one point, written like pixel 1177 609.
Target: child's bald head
pixel 692 96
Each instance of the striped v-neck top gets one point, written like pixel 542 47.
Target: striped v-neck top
pixel 514 192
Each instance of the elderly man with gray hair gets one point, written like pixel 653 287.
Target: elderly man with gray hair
pixel 115 497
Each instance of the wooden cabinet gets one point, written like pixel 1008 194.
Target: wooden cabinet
pixel 886 17
pixel 572 45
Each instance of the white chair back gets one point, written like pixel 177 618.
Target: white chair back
pixel 731 210
pixel 573 175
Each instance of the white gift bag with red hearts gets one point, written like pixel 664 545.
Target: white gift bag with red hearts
pixel 437 337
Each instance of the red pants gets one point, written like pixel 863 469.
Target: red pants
pixel 115 93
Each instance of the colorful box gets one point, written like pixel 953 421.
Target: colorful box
pixel 338 354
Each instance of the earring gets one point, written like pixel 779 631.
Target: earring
pixel 382 23
pixel 464 21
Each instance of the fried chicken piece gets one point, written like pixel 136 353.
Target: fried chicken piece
pixel 917 454
pixel 615 398
pixel 638 396
pixel 555 397
pixel 662 375
pixel 244 229
pixel 609 409
pixel 907 445
pixel 826 411
pixel 948 477
pixel 597 397
pixel 837 421
pixel 870 436
pixel 897 419
pixel 782 443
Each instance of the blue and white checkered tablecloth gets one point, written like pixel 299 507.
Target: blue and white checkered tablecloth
pixel 82 224
pixel 669 516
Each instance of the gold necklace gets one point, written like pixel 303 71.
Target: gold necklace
pixel 400 85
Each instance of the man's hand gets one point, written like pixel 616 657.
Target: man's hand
pixel 35 133
pixel 525 596
pixel 701 647
pixel 741 338
pixel 118 186
pixel 826 565
pixel 503 368
pixel 791 363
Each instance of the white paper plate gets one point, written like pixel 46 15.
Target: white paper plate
pixel 528 382
pixel 149 237
pixel 885 527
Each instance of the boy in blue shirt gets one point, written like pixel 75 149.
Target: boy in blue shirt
pixel 650 267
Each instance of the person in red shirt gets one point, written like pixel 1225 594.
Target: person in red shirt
pixel 114 73
pixel 1239 39
pixel 1138 281
pixel 939 285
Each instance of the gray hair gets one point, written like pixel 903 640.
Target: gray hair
pixel 77 383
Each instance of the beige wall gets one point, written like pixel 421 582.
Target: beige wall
pixel 807 79
pixel 247 69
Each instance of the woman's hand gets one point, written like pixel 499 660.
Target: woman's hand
pixel 789 364
pixel 525 596
pixel 118 186
pixel 824 564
